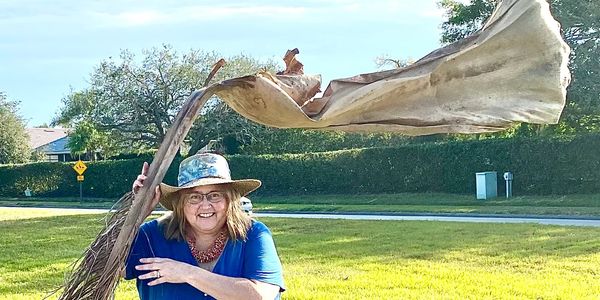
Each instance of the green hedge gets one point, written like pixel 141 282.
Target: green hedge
pixel 550 166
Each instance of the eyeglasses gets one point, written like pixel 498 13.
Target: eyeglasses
pixel 212 197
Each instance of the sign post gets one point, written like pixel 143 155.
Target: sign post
pixel 80 167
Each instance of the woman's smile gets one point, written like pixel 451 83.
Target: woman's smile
pixel 205 215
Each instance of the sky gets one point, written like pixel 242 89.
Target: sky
pixel 49 48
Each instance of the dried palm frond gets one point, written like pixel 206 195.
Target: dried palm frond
pixel 96 275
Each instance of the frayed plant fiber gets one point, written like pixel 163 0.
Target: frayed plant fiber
pixel 90 276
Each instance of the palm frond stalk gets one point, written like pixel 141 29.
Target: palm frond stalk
pixel 96 274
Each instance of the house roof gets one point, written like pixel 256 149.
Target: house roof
pixel 39 137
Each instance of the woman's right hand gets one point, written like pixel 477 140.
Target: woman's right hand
pixel 139 183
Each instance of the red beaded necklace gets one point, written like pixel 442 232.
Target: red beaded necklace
pixel 211 253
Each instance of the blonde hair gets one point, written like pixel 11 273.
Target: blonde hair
pixel 237 221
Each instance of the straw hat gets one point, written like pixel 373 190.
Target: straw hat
pixel 204 169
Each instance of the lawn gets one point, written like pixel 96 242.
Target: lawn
pixel 339 259
pixel 571 205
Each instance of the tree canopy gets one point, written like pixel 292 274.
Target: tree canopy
pixel 130 104
pixel 580 21
pixel 14 141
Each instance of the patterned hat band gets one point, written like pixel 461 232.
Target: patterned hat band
pixel 192 182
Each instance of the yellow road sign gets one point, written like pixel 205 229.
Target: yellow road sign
pixel 79 177
pixel 79 167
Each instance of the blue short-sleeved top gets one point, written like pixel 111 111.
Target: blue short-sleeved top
pixel 255 258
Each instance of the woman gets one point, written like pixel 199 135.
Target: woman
pixel 206 247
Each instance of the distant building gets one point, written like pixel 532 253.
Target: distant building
pixel 52 142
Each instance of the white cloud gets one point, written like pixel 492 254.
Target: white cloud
pixel 195 13
pixel 129 14
pixel 122 14
pixel 404 12
pixel 136 18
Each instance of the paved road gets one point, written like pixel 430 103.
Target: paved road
pixel 487 219
pixel 546 221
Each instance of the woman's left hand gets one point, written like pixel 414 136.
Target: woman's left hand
pixel 164 270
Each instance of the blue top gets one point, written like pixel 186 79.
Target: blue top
pixel 255 258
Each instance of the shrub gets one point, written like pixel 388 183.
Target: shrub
pixel 540 166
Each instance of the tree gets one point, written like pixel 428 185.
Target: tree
pixel 86 139
pixel 384 61
pixel 14 141
pixel 464 19
pixel 580 20
pixel 133 104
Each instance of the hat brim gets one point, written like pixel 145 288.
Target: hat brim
pixel 169 193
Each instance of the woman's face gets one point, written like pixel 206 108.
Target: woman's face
pixel 205 208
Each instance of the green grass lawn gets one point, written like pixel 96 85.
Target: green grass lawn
pixel 340 259
pixel 571 205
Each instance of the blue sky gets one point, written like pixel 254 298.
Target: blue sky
pixel 48 48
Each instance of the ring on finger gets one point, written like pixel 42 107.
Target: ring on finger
pixel 157 274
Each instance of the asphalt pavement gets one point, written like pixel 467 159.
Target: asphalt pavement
pixel 480 219
pixel 546 220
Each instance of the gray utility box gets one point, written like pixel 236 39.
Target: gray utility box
pixel 487 185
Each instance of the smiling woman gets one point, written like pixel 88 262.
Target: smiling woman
pixel 207 246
